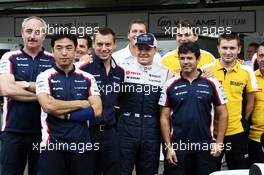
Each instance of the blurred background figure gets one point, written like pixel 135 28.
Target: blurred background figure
pixel 252 49
pixel 84 48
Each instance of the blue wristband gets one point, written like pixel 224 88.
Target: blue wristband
pixel 82 114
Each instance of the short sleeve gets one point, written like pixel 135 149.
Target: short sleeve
pixel 93 89
pixel 219 97
pixel 5 64
pixel 42 84
pixel 251 85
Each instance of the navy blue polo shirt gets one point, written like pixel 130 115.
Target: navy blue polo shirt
pixel 109 86
pixel 76 85
pixel 23 117
pixel 192 106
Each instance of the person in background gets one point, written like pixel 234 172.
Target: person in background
pixel 256 154
pixel 21 111
pixel 128 54
pixel 84 48
pixel 186 32
pixel 252 49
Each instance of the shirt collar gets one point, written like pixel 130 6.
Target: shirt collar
pixel 99 62
pixel 234 68
pixel 40 53
pixel 144 68
pixel 128 52
pixel 258 73
pixel 200 73
pixel 62 72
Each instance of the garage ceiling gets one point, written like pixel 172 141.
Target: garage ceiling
pixel 23 6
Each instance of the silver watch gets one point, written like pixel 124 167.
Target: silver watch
pixel 26 85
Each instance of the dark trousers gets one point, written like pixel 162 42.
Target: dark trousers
pixel 144 154
pixel 65 163
pixel 236 152
pixel 201 163
pixel 256 154
pixel 107 157
pixel 17 150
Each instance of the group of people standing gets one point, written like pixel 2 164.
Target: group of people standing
pixel 87 110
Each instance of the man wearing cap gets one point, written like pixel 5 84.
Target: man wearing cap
pixel 139 125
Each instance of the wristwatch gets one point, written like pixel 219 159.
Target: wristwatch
pixel 67 116
pixel 26 85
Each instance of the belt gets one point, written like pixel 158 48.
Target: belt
pixel 102 127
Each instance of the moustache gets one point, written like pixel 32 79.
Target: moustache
pixel 32 40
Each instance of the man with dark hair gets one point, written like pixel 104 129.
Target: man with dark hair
pixel 192 148
pixel 186 32
pixel 236 80
pixel 254 63
pixel 69 98
pixel 128 54
pixel 109 77
pixel 84 48
pixel 21 111
pixel 251 50
pixel 256 154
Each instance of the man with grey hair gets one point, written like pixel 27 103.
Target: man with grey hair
pixel 21 111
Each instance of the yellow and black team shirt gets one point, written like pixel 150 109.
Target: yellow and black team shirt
pixel 257 127
pixel 171 60
pixel 234 82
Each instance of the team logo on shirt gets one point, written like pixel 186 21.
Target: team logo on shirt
pixel 234 83
pixel 180 86
pixel 57 89
pixel 45 65
pixel 132 73
pixel 79 81
pixel 21 59
pixel 23 65
pixel 55 81
pixel 155 76
pixel 44 60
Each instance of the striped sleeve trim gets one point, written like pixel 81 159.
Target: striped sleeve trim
pixel 252 76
